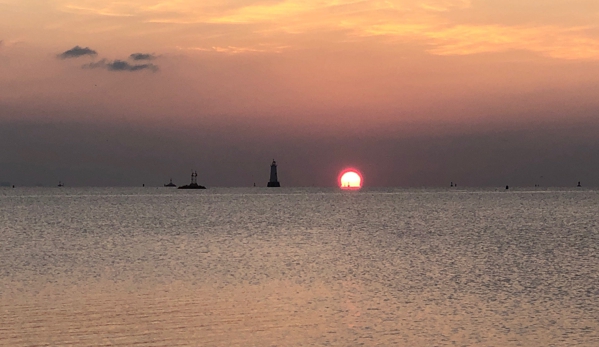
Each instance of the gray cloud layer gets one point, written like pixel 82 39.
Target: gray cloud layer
pixel 77 52
pixel 114 65
pixel 120 65
pixel 89 153
pixel 142 56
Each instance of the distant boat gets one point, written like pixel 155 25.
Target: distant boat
pixel 170 184
pixel 194 182
pixel 60 184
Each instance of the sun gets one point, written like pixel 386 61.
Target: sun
pixel 350 179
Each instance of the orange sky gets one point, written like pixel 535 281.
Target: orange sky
pixel 394 58
pixel 308 67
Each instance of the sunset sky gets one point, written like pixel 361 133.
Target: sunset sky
pixel 413 93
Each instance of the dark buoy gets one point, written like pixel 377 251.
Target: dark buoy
pixel 579 184
pixel 451 184
pixel 143 184
pixel 274 180
pixel 507 187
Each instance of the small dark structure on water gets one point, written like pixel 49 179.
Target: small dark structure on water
pixel 60 184
pixel 170 184
pixel 274 180
pixel 579 184
pixel 194 182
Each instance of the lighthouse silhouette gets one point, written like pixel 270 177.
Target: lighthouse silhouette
pixel 274 181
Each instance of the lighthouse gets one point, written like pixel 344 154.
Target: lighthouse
pixel 274 181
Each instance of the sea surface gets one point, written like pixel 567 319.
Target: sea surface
pixel 299 267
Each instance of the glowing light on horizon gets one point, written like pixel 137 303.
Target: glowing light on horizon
pixel 350 179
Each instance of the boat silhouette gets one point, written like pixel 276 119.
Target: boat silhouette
pixel 170 184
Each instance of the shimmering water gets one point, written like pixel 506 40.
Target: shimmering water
pixel 298 267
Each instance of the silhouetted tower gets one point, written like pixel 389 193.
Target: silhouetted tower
pixel 274 181
pixel 194 178
pixel 579 185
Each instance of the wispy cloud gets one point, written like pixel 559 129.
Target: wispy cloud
pixel 7 43
pixel 142 56
pixel 238 50
pixel 550 41
pixel 109 10
pixel 77 52
pixel 448 27
pixel 120 65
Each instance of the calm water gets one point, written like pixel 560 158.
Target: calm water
pixel 298 267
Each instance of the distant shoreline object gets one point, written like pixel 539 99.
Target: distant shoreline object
pixel 274 180
pixel 194 182
pixel 170 184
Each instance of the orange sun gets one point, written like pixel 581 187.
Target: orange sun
pixel 350 179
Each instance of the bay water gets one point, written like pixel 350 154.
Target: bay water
pixel 299 267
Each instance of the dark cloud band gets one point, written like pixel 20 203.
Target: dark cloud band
pixel 142 56
pixel 77 52
pixel 120 65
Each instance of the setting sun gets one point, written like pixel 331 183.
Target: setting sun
pixel 350 179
